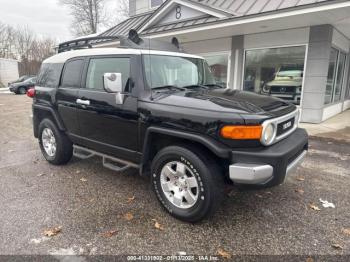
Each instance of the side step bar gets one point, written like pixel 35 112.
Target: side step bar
pixel 116 164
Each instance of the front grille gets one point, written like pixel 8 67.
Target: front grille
pixel 283 89
pixel 285 126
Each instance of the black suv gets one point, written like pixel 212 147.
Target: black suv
pixel 161 111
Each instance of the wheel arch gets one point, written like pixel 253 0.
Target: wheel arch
pixel 41 112
pixel 157 138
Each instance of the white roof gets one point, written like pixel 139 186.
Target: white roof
pixel 63 57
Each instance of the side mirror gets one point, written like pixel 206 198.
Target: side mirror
pixel 113 82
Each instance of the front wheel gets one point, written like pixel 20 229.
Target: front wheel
pixel 187 183
pixel 54 144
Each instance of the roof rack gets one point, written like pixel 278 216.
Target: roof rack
pixel 132 41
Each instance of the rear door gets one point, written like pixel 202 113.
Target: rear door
pixel 107 126
pixel 67 95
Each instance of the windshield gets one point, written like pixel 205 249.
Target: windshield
pixel 290 72
pixel 162 70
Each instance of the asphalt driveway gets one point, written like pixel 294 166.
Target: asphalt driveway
pixel 99 211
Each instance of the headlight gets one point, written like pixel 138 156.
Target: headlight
pixel 266 89
pixel 268 135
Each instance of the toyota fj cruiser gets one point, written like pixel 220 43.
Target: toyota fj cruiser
pixel 147 105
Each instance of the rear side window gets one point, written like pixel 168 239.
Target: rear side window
pixel 49 75
pixel 72 73
pixel 99 66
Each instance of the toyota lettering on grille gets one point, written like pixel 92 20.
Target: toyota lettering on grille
pixel 287 125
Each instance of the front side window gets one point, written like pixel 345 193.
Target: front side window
pixel 276 72
pixel 161 70
pixel 49 75
pixel 99 66
pixel 72 73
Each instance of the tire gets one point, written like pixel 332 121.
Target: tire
pixel 63 146
pixel 198 167
pixel 22 91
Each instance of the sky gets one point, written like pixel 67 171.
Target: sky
pixel 48 18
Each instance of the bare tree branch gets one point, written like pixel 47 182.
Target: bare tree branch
pixel 23 44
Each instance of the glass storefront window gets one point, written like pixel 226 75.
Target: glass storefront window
pixel 218 64
pixel 275 71
pixel 335 77
pixel 340 76
pixel 331 76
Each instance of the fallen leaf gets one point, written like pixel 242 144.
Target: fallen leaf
pixel 309 259
pixel 52 231
pixel 346 231
pixel 158 226
pixel 83 180
pixel 337 246
pixel 259 196
pixel 224 253
pixel 326 204
pixel 109 233
pixel 314 207
pixel 300 178
pixel 130 199
pixel 128 216
pixel 77 172
pixel 268 193
pixel 300 191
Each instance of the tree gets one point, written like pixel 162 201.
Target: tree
pixel 90 16
pixel 118 13
pixel 23 44
pixel 87 15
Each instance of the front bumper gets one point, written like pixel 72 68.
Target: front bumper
pixel 269 165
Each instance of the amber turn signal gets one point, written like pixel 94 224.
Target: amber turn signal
pixel 241 132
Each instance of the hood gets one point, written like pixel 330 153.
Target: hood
pixel 229 100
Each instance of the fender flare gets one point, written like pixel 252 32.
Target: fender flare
pixel 211 144
pixel 54 114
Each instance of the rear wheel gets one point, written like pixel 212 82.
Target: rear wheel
pixel 187 183
pixel 54 144
pixel 22 90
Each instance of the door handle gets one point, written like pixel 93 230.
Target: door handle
pixel 83 102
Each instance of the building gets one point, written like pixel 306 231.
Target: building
pixel 294 49
pixel 8 71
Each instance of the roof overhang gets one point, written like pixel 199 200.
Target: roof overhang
pixel 335 13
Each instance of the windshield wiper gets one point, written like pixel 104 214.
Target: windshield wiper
pixel 213 85
pixel 169 87
pixel 196 86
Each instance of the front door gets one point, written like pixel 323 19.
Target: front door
pixel 107 126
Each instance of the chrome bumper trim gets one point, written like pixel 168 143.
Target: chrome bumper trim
pixel 250 173
pixel 296 162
